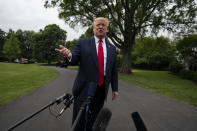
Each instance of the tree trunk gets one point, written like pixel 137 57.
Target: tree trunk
pixel 129 41
pixel 126 60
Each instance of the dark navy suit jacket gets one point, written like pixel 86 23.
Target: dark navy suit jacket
pixel 84 54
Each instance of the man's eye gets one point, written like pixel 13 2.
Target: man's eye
pixel 100 25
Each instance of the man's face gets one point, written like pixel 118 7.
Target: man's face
pixel 100 28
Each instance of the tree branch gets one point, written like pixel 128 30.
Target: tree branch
pixel 118 22
pixel 114 41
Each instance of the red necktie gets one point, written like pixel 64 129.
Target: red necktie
pixel 100 63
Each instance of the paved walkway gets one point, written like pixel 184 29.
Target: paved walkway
pixel 158 112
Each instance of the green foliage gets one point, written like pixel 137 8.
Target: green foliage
pixel 175 66
pixel 129 19
pixel 70 44
pixel 46 42
pixel 10 32
pixel 152 53
pixel 186 74
pixel 194 78
pixel 36 46
pixel 38 55
pixel 169 14
pixel 2 41
pixel 187 48
pixel 11 48
pixel 26 42
pixel 119 61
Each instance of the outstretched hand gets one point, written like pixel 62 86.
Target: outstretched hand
pixel 64 51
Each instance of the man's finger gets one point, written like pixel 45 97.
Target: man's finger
pixel 61 46
pixel 114 95
pixel 57 50
pixel 113 98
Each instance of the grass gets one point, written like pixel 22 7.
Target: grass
pixel 19 79
pixel 73 67
pixel 164 83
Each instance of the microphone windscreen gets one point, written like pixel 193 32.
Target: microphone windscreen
pixel 102 120
pixel 139 124
pixel 91 89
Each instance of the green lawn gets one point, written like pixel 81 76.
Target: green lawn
pixel 164 83
pixel 19 79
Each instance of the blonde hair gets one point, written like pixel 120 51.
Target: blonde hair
pixel 99 18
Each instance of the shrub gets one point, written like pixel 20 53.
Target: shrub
pixel 152 53
pixel 175 67
pixel 119 61
pixel 194 78
pixel 186 74
pixel 32 61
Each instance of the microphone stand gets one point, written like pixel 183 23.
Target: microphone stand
pixel 85 105
pixel 58 100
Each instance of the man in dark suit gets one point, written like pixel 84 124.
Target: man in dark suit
pixel 96 58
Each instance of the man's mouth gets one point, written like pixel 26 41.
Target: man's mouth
pixel 100 31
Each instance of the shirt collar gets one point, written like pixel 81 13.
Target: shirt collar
pixel 97 39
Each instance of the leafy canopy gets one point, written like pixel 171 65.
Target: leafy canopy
pixel 11 48
pixel 153 53
pixel 187 48
pixel 129 18
pixel 49 39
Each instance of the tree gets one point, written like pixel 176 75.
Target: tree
pixel 11 48
pixel 38 55
pixel 2 41
pixel 187 48
pixel 10 32
pixel 49 39
pixel 129 18
pixel 70 44
pixel 26 42
pixel 153 53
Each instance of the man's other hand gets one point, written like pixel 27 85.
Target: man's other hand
pixel 114 95
pixel 64 51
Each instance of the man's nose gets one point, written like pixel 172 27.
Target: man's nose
pixel 101 25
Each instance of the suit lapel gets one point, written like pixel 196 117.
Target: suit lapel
pixel 108 46
pixel 93 51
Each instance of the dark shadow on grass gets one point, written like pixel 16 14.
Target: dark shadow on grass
pixel 45 64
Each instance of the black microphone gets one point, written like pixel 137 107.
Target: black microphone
pixel 102 120
pixel 85 105
pixel 91 93
pixel 91 90
pixel 139 124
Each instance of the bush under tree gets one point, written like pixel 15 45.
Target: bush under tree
pixel 152 53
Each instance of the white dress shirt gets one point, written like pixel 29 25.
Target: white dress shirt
pixel 104 51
